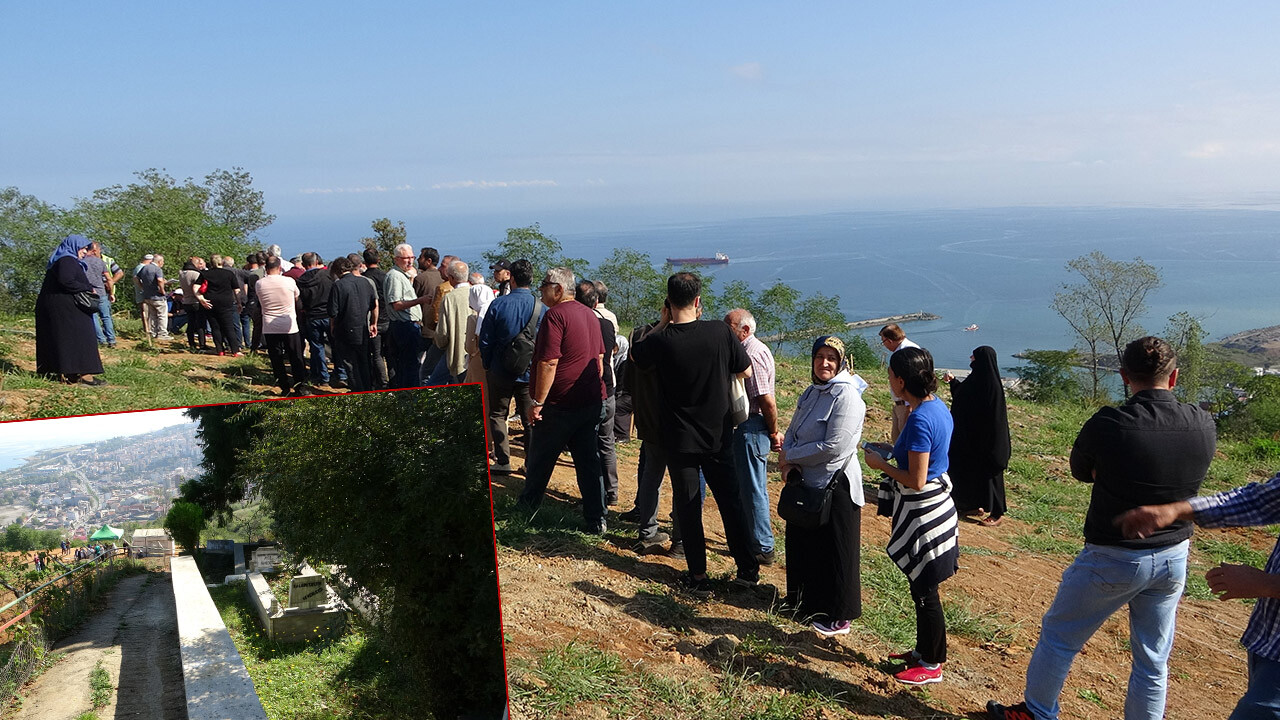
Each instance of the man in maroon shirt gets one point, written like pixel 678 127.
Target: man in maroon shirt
pixel 568 393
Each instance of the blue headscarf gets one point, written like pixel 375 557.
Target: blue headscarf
pixel 70 248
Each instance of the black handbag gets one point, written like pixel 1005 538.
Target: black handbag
pixel 807 507
pixel 86 300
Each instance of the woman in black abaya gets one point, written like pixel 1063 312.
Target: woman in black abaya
pixel 66 344
pixel 980 443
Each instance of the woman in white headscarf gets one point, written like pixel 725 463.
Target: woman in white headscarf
pixel 823 563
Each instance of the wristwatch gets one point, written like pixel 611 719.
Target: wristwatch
pixel 538 404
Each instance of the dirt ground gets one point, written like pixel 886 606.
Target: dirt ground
pixel 589 594
pixel 135 635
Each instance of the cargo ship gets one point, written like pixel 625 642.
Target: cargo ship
pixel 719 259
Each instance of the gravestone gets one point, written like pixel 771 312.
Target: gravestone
pixel 265 559
pixel 220 546
pixel 308 591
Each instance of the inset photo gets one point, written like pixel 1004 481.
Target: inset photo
pixel 320 557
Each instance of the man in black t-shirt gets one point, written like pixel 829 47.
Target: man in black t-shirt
pixel 694 362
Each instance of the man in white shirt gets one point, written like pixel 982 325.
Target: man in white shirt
pixel 894 339
pixel 278 297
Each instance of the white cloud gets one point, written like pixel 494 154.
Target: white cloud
pixel 486 184
pixel 1207 151
pixel 751 71
pixel 366 189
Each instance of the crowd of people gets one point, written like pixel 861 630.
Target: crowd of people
pixel 680 380
pixel 700 397
pixel 346 323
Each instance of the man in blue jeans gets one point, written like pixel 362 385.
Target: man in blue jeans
pixel 1151 450
pixel 103 282
pixel 1251 505
pixel 756 436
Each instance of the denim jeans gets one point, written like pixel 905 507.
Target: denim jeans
pixel 750 462
pixel 102 323
pixel 1262 700
pixel 1100 581
pixel 317 335
pixel 405 335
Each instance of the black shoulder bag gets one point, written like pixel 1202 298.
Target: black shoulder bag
pixel 807 507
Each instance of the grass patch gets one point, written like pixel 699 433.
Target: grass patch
pixel 558 682
pixel 887 608
pixel 100 688
pixel 572 674
pixel 554 525
pixel 1044 541
pixel 963 621
pixel 355 675
pixel 1092 696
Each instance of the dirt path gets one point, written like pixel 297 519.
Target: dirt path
pixel 135 635
pixel 554 593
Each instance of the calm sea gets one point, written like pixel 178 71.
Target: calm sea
pixel 996 268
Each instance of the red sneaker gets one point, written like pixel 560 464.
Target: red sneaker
pixel 919 675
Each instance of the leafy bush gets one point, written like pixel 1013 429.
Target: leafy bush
pixel 1049 376
pixel 184 522
pixel 393 486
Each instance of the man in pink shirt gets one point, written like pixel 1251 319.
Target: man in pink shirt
pixel 278 296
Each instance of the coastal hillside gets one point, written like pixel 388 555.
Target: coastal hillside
pixel 595 631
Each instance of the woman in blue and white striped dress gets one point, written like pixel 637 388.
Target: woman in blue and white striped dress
pixel 923 540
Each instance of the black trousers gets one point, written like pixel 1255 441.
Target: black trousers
pixel 686 497
pixel 377 364
pixel 195 325
pixel 355 358
pixel 282 348
pixel 500 388
pixel 824 564
pixel 224 321
pixel 931 625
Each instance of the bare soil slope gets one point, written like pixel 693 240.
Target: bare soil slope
pixel 561 591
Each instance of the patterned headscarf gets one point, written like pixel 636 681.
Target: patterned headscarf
pixel 834 343
pixel 70 247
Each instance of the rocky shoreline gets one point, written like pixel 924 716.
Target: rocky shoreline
pixel 1264 343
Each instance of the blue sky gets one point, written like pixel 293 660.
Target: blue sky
pixel 659 110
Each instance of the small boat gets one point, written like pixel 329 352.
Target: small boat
pixel 719 259
pixel 971 328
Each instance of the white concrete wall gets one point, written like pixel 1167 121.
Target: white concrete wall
pixel 217 684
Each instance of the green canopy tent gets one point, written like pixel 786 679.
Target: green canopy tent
pixel 107 533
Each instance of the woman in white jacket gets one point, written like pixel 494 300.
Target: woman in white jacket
pixel 823 575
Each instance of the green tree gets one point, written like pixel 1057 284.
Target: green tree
pixel 817 315
pixel 1074 306
pixel 862 357
pixel 544 251
pixel 1111 295
pixel 1186 335
pixel 225 431
pixel 775 307
pixel 386 236
pixel 158 214
pixel 636 289
pixel 29 231
pixel 185 522
pixel 738 294
pixel 1049 376
pixel 235 205
pixel 416 528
